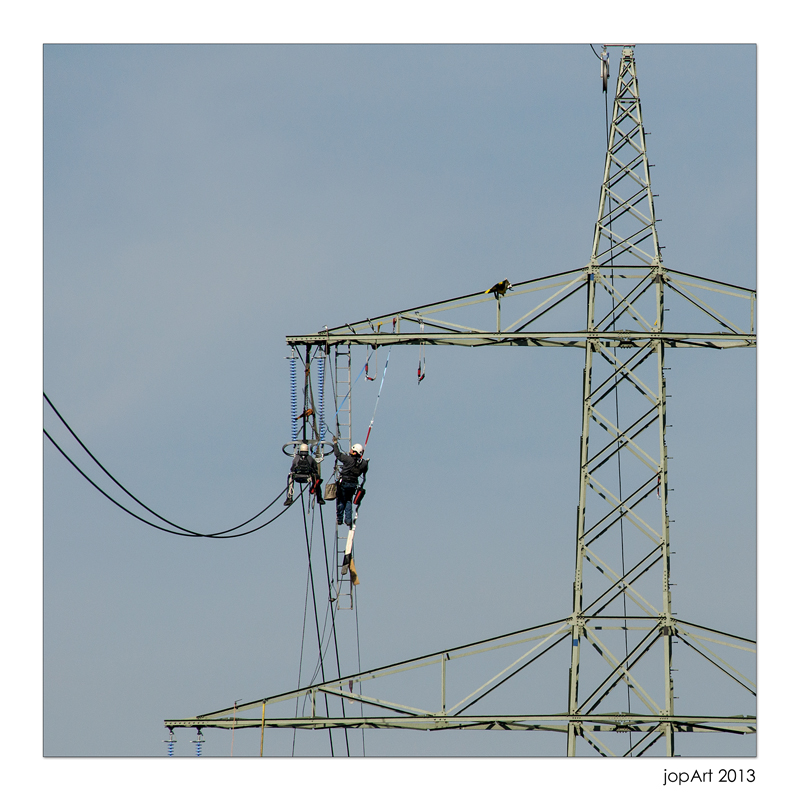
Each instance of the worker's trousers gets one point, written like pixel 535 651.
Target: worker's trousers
pixel 344 503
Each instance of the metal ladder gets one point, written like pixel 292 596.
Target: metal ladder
pixel 344 583
pixel 342 391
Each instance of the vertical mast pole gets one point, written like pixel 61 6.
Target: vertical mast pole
pixel 626 227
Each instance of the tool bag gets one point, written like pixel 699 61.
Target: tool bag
pixel 330 491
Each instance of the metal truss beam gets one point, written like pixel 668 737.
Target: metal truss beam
pixel 559 723
pixel 534 642
pixel 717 341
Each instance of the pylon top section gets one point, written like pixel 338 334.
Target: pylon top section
pixel 625 232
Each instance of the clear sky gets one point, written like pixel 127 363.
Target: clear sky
pixel 200 203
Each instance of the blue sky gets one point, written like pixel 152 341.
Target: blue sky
pixel 177 189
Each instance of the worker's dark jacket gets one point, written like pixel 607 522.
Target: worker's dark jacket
pixel 353 467
pixel 304 465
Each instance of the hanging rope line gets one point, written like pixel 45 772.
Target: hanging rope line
pixel 133 497
pixel 377 400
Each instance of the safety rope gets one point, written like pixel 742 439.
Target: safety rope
pixel 377 400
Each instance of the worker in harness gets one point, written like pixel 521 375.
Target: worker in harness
pixel 304 470
pixel 354 466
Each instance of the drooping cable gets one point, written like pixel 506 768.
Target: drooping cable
pixel 333 622
pixel 316 616
pixel 302 648
pixel 358 653
pixel 133 497
pixel 167 530
pixel 325 635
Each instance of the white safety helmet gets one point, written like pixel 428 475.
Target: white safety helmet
pixel 357 448
pixel 303 448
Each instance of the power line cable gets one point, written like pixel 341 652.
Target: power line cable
pixel 333 622
pixel 133 497
pixel 159 527
pixel 316 618
pixel 358 652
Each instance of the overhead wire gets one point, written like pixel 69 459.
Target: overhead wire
pixel 358 653
pixel 227 534
pixel 316 616
pixel 302 648
pixel 160 527
pixel 327 635
pixel 333 623
pixel 133 497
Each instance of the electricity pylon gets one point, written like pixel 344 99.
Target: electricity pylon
pixel 618 640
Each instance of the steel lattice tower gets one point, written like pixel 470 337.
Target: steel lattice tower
pixel 627 383
pixel 621 630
